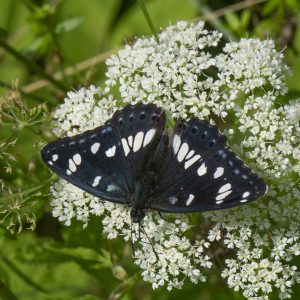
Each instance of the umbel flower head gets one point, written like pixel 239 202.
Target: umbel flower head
pixel 236 87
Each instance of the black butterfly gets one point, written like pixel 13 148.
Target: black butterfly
pixel 131 160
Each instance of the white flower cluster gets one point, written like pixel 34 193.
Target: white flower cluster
pixel 188 75
pixel 177 255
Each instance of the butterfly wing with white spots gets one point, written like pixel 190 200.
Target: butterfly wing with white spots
pixel 107 161
pixel 201 173
pixel 140 128
pixel 129 160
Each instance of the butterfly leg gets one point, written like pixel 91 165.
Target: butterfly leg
pixel 154 251
pixel 132 241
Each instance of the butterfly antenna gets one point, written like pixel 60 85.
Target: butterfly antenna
pixel 156 255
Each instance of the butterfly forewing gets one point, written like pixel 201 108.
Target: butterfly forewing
pixel 107 161
pixel 90 161
pixel 201 173
pixel 140 128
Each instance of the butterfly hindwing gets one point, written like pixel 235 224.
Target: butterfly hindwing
pixel 201 173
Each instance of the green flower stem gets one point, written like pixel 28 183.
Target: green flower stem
pixel 214 21
pixel 31 65
pixel 148 19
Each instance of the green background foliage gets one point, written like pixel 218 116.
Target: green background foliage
pixel 48 48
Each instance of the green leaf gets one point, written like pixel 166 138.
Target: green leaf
pixel 245 18
pixel 40 44
pixel 68 25
pixel 271 6
pixel 233 21
pixel 102 259
pixel 293 4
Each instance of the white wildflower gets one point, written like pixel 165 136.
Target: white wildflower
pixel 238 87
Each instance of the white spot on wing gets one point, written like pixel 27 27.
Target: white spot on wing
pixel 190 199
pixel 246 194
pixel 111 151
pixel 176 143
pixel 112 188
pixel 138 141
pixel 50 162
pixel 54 157
pixel 69 172
pixel 219 202
pixel 244 200
pixel 202 170
pixel 219 172
pixel 224 195
pixel 148 137
pixel 96 181
pixel 95 148
pixel 77 159
pixel 224 188
pixel 190 154
pixel 182 152
pixel 188 163
pixel 130 140
pixel 72 166
pixel 125 146
pixel 172 200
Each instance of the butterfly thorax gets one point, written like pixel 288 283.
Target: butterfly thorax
pixel 141 200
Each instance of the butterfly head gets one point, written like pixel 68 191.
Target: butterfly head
pixel 137 215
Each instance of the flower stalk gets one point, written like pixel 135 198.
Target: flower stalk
pixel 148 19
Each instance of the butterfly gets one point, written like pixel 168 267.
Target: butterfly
pixel 132 160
